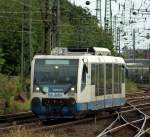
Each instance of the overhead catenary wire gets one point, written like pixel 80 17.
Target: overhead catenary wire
pixel 140 5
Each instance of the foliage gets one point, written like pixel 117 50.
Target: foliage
pixel 9 86
pixel 131 86
pixel 17 106
pixel 10 36
pixel 1 57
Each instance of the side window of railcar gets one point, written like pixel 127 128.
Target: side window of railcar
pixel 120 77
pixel 117 78
pixel 93 74
pixel 108 78
pixel 101 79
pixel 97 74
pixel 97 80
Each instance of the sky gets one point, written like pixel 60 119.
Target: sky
pixel 142 21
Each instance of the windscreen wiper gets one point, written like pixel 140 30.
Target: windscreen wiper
pixel 40 88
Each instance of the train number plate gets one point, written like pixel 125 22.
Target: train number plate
pixel 55 94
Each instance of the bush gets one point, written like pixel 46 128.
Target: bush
pixel 17 106
pixel 9 87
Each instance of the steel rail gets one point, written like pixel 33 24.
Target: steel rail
pixel 105 131
pixel 137 100
pixel 124 125
pixel 43 128
pixel 108 130
pixel 137 106
pixel 135 93
pixel 145 119
pixel 142 133
pixel 134 108
pixel 130 123
pixel 142 97
pixel 16 114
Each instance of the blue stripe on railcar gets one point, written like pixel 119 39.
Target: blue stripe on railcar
pixel 95 105
pixel 68 111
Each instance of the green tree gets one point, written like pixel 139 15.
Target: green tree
pixel 10 36
pixel 1 57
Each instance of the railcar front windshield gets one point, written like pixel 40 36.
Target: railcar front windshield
pixel 52 72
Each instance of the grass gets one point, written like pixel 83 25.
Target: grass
pixel 24 133
pixel 146 86
pixel 131 86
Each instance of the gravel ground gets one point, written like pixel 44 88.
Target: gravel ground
pixel 89 129
pixel 125 132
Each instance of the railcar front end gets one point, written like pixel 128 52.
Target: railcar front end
pixel 54 87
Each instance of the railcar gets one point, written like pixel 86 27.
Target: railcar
pixel 72 82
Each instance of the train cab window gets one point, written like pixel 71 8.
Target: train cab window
pixel 52 73
pixel 108 78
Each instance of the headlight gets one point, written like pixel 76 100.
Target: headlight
pixel 72 89
pixel 37 89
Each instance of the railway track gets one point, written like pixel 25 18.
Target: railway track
pixel 124 116
pixel 134 118
pixel 137 94
pixel 16 116
pixel 51 125
pixel 128 117
pixel 10 120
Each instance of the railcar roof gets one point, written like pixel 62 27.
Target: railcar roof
pixel 91 58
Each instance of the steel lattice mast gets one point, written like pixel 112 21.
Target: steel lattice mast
pixel 98 11
pixel 26 41
pixel 108 16
pixel 51 21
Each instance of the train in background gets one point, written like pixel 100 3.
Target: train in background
pixel 72 82
pixel 138 70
